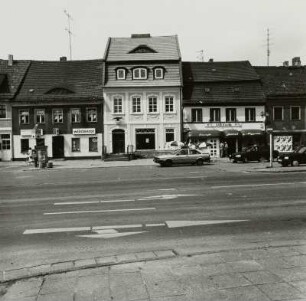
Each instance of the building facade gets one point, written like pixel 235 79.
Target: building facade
pixel 223 102
pixel 12 73
pixel 142 93
pixel 60 106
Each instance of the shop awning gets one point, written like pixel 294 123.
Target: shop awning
pixel 205 133
pixel 231 133
pixel 252 132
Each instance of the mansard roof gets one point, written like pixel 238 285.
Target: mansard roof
pixel 62 80
pixel 142 48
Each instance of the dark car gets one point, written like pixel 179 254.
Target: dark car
pixel 294 158
pixel 253 153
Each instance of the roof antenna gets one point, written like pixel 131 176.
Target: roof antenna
pixel 268 47
pixel 69 18
pixel 201 55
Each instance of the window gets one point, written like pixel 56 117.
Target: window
pixel 117 105
pixel 158 73
pixel 196 115
pixel 136 104
pixel 58 116
pixel 40 116
pixel 75 115
pixel 75 145
pixel 169 135
pixel 93 144
pixel 2 111
pixel 152 104
pixel 24 145
pixel 215 115
pixel 140 73
pixel 169 104
pixel 295 113
pixel 24 116
pixel 230 114
pixel 121 73
pixel 6 141
pixel 278 113
pixel 250 114
pixel 91 114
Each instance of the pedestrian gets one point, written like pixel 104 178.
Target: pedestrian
pixel 221 149
pixel 225 149
pixel 35 157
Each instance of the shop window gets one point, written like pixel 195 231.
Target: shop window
pixel 250 114
pixel 75 145
pixel 6 141
pixel 152 104
pixel 121 73
pixel 158 73
pixel 91 114
pixel 57 116
pixel 230 114
pixel 169 104
pixel 24 116
pixel 140 73
pixel 93 144
pixel 40 116
pixel 278 113
pixel 215 115
pixel 295 113
pixel 196 115
pixel 169 135
pixel 145 139
pixel 75 115
pixel 136 105
pixel 118 105
pixel 2 111
pixel 24 145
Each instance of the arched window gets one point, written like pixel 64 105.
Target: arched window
pixel 121 73
pixel 158 73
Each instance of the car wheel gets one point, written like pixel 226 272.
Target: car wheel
pixel 295 163
pixel 168 163
pixel 199 162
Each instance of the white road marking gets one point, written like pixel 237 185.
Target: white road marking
pixel 166 189
pixel 99 211
pixel 156 225
pixel 164 197
pixel 91 202
pixel 179 224
pixel 111 233
pixel 256 185
pixel 56 230
pixel 116 227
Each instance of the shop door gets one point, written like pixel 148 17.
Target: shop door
pixel 58 147
pixel 5 147
pixel 214 147
pixel 118 141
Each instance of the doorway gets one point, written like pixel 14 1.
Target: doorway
pixel 58 147
pixel 118 141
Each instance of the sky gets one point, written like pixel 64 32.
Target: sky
pixel 225 30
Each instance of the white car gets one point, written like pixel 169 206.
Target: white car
pixel 183 156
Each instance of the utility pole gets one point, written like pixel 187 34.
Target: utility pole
pixel 69 18
pixel 268 47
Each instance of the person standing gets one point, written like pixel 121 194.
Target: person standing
pixel 221 149
pixel 225 149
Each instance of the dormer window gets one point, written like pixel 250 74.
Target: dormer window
pixel 158 73
pixel 140 73
pixel 121 73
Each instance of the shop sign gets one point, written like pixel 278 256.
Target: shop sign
pixel 27 133
pixel 223 125
pixel 283 144
pixel 90 131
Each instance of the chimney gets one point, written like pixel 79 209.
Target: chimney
pixel 140 35
pixel 296 61
pixel 286 63
pixel 211 60
pixel 63 59
pixel 10 60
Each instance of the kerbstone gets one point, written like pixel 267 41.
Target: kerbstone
pixel 145 256
pixel 15 274
pixel 39 270
pixel 62 266
pixel 84 263
pixel 124 258
pixel 106 260
pixel 164 254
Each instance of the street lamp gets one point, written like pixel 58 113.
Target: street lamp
pixel 270 132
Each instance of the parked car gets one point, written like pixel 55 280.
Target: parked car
pixel 294 158
pixel 183 156
pixel 253 153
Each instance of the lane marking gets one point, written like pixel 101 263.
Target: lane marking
pixel 179 224
pixel 155 225
pixel 116 227
pixel 111 233
pixel 256 185
pixel 91 202
pixel 99 211
pixel 167 189
pixel 56 230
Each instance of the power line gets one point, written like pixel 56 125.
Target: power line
pixel 69 18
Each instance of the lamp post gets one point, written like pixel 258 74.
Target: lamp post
pixel 270 132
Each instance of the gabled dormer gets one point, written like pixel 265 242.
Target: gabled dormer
pixel 143 49
pixel 59 90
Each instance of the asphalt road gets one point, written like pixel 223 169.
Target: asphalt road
pixel 106 211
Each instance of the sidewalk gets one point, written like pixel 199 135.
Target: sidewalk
pixel 264 272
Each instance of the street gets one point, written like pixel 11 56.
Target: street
pixel 57 215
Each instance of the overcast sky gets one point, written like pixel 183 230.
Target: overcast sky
pixel 223 29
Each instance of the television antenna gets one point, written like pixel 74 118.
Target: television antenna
pixel 68 29
pixel 201 55
pixel 268 47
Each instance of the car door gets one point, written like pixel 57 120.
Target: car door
pixel 180 157
pixel 193 156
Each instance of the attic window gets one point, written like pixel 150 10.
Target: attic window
pixel 236 89
pixel 59 91
pixel 140 73
pixel 121 73
pixel 142 49
pixel 159 73
pixel 206 90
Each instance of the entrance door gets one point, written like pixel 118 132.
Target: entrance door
pixel 118 141
pixel 5 147
pixel 58 146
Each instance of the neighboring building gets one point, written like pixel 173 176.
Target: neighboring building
pixel 223 102
pixel 60 106
pixel 11 75
pixel 285 89
pixel 142 93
